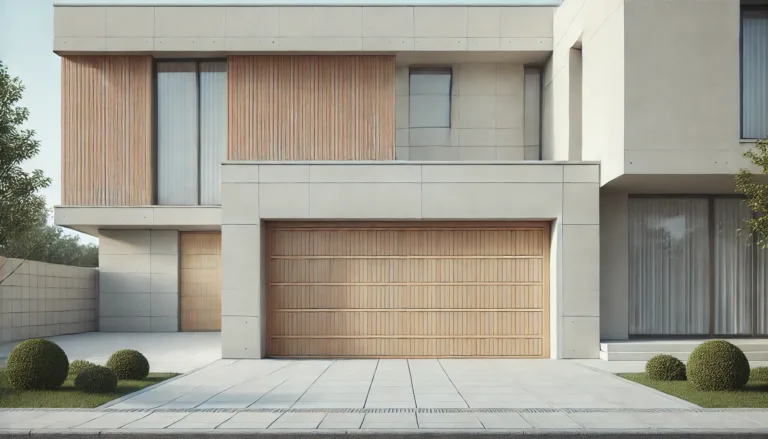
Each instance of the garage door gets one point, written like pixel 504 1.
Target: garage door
pixel 408 290
pixel 200 281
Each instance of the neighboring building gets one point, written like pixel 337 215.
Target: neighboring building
pixel 411 180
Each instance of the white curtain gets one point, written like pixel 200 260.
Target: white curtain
pixel 177 122
pixel 734 269
pixel 669 271
pixel 213 129
pixel 754 67
pixel 761 314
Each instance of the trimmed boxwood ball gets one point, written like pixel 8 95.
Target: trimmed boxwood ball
pixel 96 379
pixel 78 366
pixel 665 367
pixel 129 365
pixel 36 364
pixel 759 374
pixel 718 365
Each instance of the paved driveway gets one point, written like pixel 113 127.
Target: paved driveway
pixel 399 384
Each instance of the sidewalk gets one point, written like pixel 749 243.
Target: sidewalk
pixel 379 422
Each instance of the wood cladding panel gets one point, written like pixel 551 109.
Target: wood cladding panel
pixel 200 281
pixel 106 130
pixel 311 108
pixel 408 290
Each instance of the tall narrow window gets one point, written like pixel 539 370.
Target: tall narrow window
pixel 754 74
pixel 191 131
pixel 430 98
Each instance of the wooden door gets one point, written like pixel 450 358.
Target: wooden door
pixel 408 290
pixel 200 281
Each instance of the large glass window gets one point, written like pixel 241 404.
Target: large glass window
pixel 191 131
pixel 754 74
pixel 694 269
pixel 669 266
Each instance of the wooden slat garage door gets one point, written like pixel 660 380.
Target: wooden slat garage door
pixel 200 281
pixel 408 290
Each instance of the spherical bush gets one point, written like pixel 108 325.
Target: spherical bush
pixel 96 379
pixel 37 364
pixel 129 365
pixel 78 366
pixel 718 365
pixel 666 368
pixel 759 374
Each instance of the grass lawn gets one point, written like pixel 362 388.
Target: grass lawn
pixel 67 397
pixel 755 395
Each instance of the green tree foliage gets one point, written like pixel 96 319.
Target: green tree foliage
pixel 24 229
pixel 754 187
pixel 20 203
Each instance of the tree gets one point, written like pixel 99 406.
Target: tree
pixel 20 203
pixel 755 190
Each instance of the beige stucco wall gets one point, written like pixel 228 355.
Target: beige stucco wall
pixel 682 87
pixel 597 27
pixel 660 86
pixel 494 116
pixel 44 300
pixel 139 280
pixel 301 28
pixel 566 194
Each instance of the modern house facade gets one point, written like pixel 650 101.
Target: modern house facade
pixel 408 180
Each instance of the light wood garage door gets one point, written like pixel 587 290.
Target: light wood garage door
pixel 408 290
pixel 200 281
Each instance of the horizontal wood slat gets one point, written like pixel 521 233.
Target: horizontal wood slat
pixel 106 130
pixel 407 291
pixel 200 281
pixel 311 107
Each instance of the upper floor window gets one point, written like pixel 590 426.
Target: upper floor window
pixel 754 73
pixel 191 131
pixel 430 98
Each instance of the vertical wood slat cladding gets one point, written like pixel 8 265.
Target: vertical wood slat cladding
pixel 200 281
pixel 311 108
pixel 408 290
pixel 106 130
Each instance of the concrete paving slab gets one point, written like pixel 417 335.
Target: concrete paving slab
pixel 342 421
pixel 559 421
pixel 111 420
pixel 503 421
pixel 198 420
pixel 615 421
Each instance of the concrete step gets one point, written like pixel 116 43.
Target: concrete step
pixel 668 346
pixel 683 356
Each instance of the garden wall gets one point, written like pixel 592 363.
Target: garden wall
pixel 43 300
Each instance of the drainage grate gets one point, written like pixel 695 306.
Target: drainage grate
pixel 393 410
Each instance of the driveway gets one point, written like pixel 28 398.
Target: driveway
pixel 399 384
pixel 167 352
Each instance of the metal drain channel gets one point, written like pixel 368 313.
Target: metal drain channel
pixel 393 410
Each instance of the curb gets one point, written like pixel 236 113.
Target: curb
pixel 375 434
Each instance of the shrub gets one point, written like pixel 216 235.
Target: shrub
pixel 37 364
pixel 759 374
pixel 78 366
pixel 96 379
pixel 718 365
pixel 129 365
pixel 665 367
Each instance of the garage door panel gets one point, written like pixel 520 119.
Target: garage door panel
pixel 402 242
pixel 411 270
pixel 407 290
pixel 407 323
pixel 407 296
pixel 412 348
